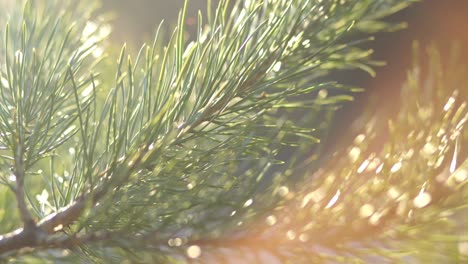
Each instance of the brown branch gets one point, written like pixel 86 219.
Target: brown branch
pixel 35 235
pixel 17 239
pixel 19 172
pixel 20 242
pixel 42 234
pixel 64 217
pixel 72 241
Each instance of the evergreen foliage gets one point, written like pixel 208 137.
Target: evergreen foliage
pixel 210 150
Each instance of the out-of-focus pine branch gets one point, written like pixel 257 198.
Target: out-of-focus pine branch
pixel 396 195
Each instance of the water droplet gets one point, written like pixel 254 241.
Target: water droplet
pixel 97 52
pixel 366 210
pixel 439 161
pixel 306 199
pixel 89 89
pixel 151 146
pixel 294 40
pixel 409 154
pixel 453 163
pixel 322 94
pixel 190 186
pixel 393 193
pixel 304 237
pixel 396 167
pixel 248 203
pixel 375 219
pixel 60 179
pixel 333 200
pixel 89 29
pixel 424 113
pixel 463 248
pixel 291 234
pixel 271 220
pixel 19 55
pixel 449 104
pixel 283 191
pixel 175 242
pixel 461 175
pixel 194 251
pixel 4 83
pixel 379 169
pixel 170 242
pixel 68 130
pixel 359 139
pixel 422 200
pixel 71 151
pixel 354 154
pixel 428 149
pixel 277 66
pixel 363 166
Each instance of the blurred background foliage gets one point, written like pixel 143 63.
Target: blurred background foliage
pixel 430 21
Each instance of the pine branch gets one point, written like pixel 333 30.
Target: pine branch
pixel 184 155
pixel 26 216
